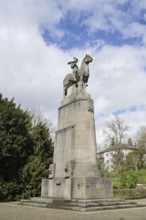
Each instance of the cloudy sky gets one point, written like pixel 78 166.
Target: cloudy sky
pixel 39 37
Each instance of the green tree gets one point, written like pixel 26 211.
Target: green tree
pixel 43 144
pixel 141 138
pixel 38 164
pixel 15 139
pixel 129 142
pixel 32 174
pixel 26 151
pixel 15 143
pixel 118 158
pixel 125 179
pixel 135 160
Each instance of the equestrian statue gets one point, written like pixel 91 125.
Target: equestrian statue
pixel 79 76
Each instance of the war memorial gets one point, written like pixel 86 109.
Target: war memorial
pixel 74 180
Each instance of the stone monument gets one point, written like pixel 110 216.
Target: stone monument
pixel 74 181
pixel 74 173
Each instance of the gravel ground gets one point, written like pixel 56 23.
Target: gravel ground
pixel 10 211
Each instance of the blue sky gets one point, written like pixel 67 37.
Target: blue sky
pixel 78 30
pixel 77 33
pixel 39 37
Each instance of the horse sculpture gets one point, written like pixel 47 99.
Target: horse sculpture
pixel 78 76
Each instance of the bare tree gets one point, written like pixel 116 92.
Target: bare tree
pixel 141 138
pixel 115 132
pixel 39 118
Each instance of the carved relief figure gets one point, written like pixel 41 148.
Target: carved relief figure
pixel 51 171
pixel 69 166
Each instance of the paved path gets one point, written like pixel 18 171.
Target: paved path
pixel 9 211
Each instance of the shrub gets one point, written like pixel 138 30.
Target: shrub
pixel 129 193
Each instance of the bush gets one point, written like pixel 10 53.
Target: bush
pixel 122 179
pixel 129 193
pixel 125 179
pixel 9 190
pixel 141 177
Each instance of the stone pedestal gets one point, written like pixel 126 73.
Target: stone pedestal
pixel 74 173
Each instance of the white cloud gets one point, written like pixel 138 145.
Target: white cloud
pixel 110 16
pixel 117 81
pixel 30 14
pixel 32 71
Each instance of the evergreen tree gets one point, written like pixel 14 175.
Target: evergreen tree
pixel 38 164
pixel 25 152
pixel 15 143
pixel 43 144
pixel 15 139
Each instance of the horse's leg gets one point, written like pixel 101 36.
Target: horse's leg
pixel 81 83
pixel 65 90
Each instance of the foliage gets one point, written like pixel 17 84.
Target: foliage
pixel 38 164
pixel 32 174
pixel 129 142
pixel 141 178
pixel 129 193
pixel 25 152
pixel 9 190
pixel 43 144
pixel 135 160
pixel 141 138
pixel 15 139
pixel 118 158
pixel 126 179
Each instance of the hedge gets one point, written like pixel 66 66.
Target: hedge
pixel 129 193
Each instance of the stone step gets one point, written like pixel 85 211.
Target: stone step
pixel 35 204
pixel 102 204
pixel 82 207
pixel 101 208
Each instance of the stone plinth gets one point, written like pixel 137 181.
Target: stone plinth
pixel 74 173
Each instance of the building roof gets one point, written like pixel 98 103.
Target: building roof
pixel 111 148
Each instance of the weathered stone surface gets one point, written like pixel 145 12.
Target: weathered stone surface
pixel 81 205
pixel 75 137
pixel 74 173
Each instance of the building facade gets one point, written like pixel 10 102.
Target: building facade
pixel 106 156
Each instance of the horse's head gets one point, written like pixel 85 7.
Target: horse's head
pixel 88 59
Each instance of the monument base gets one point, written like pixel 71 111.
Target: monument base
pixel 80 205
pixel 77 188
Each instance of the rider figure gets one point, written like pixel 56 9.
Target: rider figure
pixel 74 67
